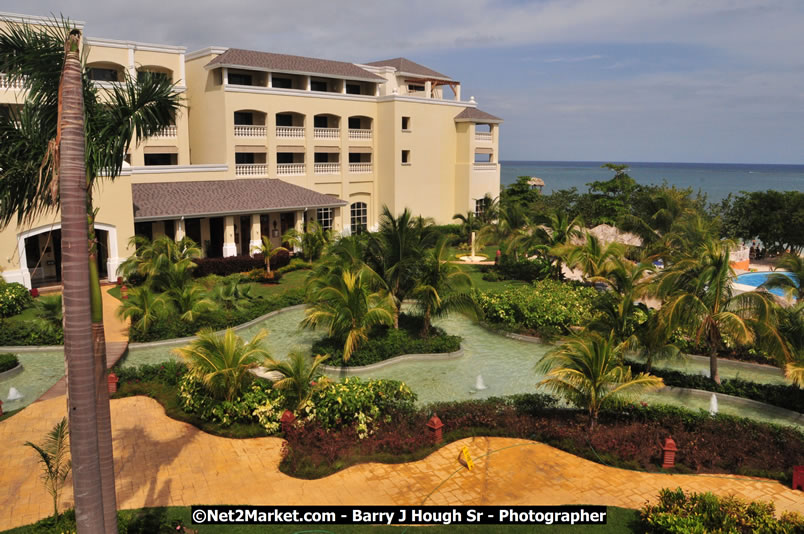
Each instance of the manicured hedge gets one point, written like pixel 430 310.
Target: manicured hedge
pixel 168 372
pixel 522 269
pixel 28 333
pixel 172 327
pixel 679 512
pixel 8 361
pixel 384 343
pixel 237 264
pixel 789 397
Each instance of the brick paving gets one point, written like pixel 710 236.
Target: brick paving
pixel 163 462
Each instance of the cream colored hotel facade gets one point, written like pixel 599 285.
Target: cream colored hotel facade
pixel 266 141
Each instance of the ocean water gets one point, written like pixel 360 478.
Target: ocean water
pixel 717 180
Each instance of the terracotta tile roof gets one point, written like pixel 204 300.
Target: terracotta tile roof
pixel 407 66
pixel 237 57
pixel 476 115
pixel 162 200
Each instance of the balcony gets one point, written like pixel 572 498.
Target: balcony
pixel 484 166
pixel 166 132
pixel 483 136
pixel 327 168
pixel 6 83
pixel 251 169
pixel 359 135
pixel 290 132
pixel 360 168
pixel 291 169
pixel 326 133
pixel 242 130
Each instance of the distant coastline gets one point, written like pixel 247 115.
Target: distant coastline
pixel 716 180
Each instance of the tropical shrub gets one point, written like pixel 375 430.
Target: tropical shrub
pixel 547 306
pixel 296 264
pixel 385 342
pixel 29 333
pixel 8 361
pixel 168 372
pixel 14 298
pixel 49 309
pixel 679 512
pixel 300 377
pixel 237 264
pixel 528 270
pixel 54 455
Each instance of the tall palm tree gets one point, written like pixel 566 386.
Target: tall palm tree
pixel 348 304
pixel 222 363
pixel 441 288
pixel 312 240
pixel 551 237
pixel 301 377
pixel 592 257
pixel 78 349
pixel 29 150
pixel 510 222
pixel 793 284
pixel 54 454
pixel 268 251
pixel 698 299
pixel 588 372
pixel 468 223
pixel 165 263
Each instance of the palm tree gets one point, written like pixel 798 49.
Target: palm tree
pixel 591 257
pixel 468 223
pixel 49 309
pixel 143 307
pixel 552 237
pixel 698 299
pixel 394 253
pixel 300 376
pixel 268 251
pixel 165 263
pixel 312 241
pixel 441 287
pixel 511 220
pixel 588 372
pixel 222 363
pixel 29 159
pixel 347 304
pixel 189 302
pixel 54 455
pixel 667 205
pixel 232 294
pixel 793 284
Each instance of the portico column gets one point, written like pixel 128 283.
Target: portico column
pixel 428 89
pixel 180 232
pixel 229 246
pixel 256 234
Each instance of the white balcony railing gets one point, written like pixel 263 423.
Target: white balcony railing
pixel 326 133
pixel 6 83
pixel 290 169
pixel 167 131
pixel 483 136
pixel 290 132
pixel 327 168
pixel 356 135
pixel 251 169
pixel 485 166
pixel 359 167
pixel 242 130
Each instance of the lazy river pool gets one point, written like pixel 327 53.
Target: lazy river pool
pixel 757 279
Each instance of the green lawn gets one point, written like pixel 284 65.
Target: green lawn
pixel 620 520
pixel 477 280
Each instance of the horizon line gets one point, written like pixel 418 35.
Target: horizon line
pixel 641 162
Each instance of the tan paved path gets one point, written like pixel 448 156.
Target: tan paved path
pixel 162 462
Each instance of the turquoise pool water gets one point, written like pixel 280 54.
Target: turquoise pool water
pixel 757 279
pixel 40 370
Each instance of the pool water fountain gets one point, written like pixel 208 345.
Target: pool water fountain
pixel 713 405
pixel 473 258
pixel 479 384
pixel 14 394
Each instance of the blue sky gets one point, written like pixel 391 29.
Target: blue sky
pixel 611 80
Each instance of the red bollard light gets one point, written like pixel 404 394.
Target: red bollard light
pixel 119 280
pixel 1 407
pixel 34 292
pixel 798 473
pixel 435 425
pixel 123 292
pixel 670 450
pixel 112 381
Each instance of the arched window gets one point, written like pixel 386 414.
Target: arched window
pixel 359 217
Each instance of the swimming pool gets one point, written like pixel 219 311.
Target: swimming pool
pixel 757 279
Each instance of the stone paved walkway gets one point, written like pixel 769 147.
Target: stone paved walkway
pixel 162 462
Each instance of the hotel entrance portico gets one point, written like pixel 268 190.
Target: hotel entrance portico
pixel 229 218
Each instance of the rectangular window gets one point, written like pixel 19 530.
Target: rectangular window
pixel 236 78
pixel 318 86
pixel 406 157
pixel 352 89
pixel 324 216
pixel 320 121
pixel 284 157
pixel 244 158
pixel 321 157
pixel 406 123
pixel 160 159
pixel 284 119
pixel 354 123
pixel 480 207
pixel 281 83
pixel 413 88
pixel 103 75
pixel 143 74
pixel 243 118
pixel 359 213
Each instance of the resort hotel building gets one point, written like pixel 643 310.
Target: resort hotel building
pixel 265 142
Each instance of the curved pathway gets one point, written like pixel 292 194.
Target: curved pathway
pixel 163 462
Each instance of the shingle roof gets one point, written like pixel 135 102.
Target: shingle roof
pixel 221 197
pixel 476 115
pixel 406 66
pixel 237 57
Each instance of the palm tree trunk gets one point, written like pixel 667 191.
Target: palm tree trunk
pixel 713 373
pixel 426 323
pixel 81 385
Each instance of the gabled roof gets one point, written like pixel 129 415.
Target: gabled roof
pixel 267 61
pixel 406 66
pixel 476 115
pixel 171 200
